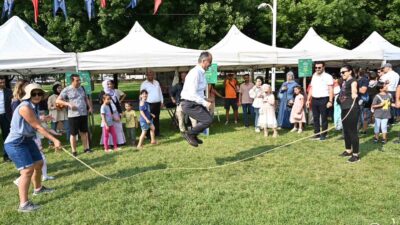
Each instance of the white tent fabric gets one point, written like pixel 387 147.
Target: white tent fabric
pixel 319 49
pixel 137 50
pixel 376 47
pixel 24 51
pixel 237 49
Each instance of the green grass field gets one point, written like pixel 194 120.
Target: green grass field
pixel 304 183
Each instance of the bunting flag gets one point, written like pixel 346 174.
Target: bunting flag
pixel 132 4
pixel 90 8
pixel 103 4
pixel 36 9
pixel 157 4
pixel 7 9
pixel 60 4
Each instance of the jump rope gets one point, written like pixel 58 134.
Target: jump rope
pixel 202 168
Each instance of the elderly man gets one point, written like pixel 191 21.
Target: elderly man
pixel 392 79
pixel 193 100
pixel 74 97
pixel 155 97
pixel 5 112
pixel 321 95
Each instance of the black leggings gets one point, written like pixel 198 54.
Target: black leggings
pixel 350 130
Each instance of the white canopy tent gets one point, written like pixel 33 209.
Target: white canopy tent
pixel 377 48
pixel 137 50
pixel 318 49
pixel 236 50
pixel 24 52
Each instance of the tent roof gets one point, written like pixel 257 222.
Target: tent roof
pixel 238 49
pixel 319 49
pixel 137 50
pixel 375 46
pixel 24 51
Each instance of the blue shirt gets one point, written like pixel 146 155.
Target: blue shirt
pixel 19 127
pixel 146 109
pixel 106 110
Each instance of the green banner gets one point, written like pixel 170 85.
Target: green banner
pixel 85 80
pixel 212 74
pixel 305 67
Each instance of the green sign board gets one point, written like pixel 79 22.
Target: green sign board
pixel 305 67
pixel 85 80
pixel 212 74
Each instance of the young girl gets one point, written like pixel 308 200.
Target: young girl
pixel 256 94
pixel 107 122
pixel 212 92
pixel 267 117
pixel 146 120
pixel 297 115
pixel 381 107
pixel 131 122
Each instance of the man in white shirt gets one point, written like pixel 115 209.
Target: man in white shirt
pixel 155 97
pixel 392 79
pixel 321 99
pixel 193 100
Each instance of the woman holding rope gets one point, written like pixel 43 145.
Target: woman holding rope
pixel 350 111
pixel 22 149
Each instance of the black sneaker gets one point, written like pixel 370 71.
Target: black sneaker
pixel 353 159
pixel 316 137
pixel 322 138
pixel 75 154
pixel 345 154
pixel 199 141
pixel 29 207
pixel 384 141
pixel 88 150
pixel 43 190
pixel 376 140
pixel 190 139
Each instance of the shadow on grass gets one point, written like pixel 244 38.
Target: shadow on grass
pixel 243 155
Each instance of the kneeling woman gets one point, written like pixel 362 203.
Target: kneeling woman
pixel 350 113
pixel 22 149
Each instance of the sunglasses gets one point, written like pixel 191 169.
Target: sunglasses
pixel 342 72
pixel 34 94
pixel 318 68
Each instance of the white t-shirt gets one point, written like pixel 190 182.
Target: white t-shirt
pixel 393 79
pixel 2 108
pixel 154 91
pixel 320 85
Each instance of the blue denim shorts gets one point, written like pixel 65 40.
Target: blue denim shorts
pixel 145 126
pixel 23 152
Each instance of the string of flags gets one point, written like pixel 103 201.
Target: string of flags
pixel 61 5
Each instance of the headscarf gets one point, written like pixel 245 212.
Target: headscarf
pixel 55 86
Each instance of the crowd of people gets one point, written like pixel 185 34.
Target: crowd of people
pixel 355 100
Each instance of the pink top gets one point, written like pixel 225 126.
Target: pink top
pixel 244 90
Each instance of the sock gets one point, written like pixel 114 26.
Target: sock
pixel 38 189
pixel 23 204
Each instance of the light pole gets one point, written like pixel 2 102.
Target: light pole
pixel 274 14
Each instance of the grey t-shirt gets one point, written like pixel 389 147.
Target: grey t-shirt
pixel 77 97
pixel 384 111
pixel 106 110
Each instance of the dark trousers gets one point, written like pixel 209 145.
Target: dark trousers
pixel 155 109
pixel 5 130
pixel 199 113
pixel 350 130
pixel 319 110
pixel 392 109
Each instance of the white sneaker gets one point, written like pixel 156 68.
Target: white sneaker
pixel 299 131
pixel 257 130
pixel 48 178
pixel 294 129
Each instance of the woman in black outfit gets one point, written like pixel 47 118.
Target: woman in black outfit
pixel 347 100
